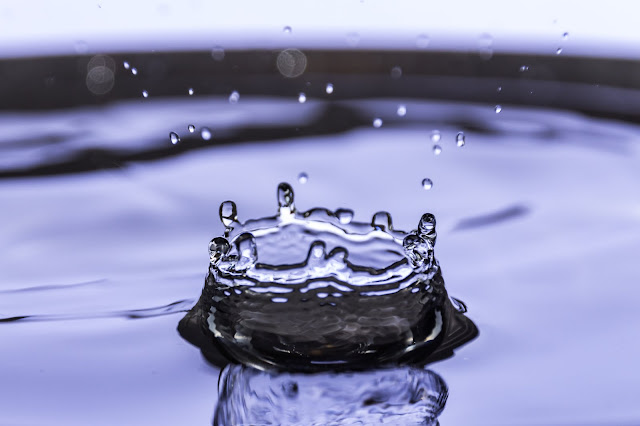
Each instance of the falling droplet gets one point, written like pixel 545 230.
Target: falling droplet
pixel 381 221
pixel 435 136
pixel 217 53
pixel 303 178
pixel 402 110
pixel 285 198
pixel 329 88
pixel 126 65
pixel 437 149
pixel 498 108
pixel 191 128
pixel 565 36
pixel 218 248
pixel 228 213
pixel 247 251
pixel 524 68
pixel 558 50
pixel 190 91
pixel 234 97
pixel 345 216
pixel 460 139
pixel 485 46
pixel 174 138
pixel 396 72
pixel 134 71
pixel 205 133
pixel 145 94
pixel 458 305
pixel 499 89
pixel 422 41
pixel 427 184
pixel 377 122
pixel 427 227
pixel 302 98
pixel 287 30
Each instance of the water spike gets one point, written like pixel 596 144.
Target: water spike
pixel 218 248
pixel 285 198
pixel 338 254
pixel 247 251
pixel 228 213
pixel 344 216
pixel 317 250
pixel 427 227
pixel 381 221
pixel 410 244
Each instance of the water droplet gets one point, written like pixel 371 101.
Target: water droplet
pixel 427 184
pixel 134 71
pixel 499 89
pixel 145 94
pixel 291 63
pixel 458 305
pixel 565 36
pixel 422 41
pixel 303 178
pixel 285 197
pixel 345 216
pixel 498 108
pixel 381 221
pixel 437 149
pixel 190 92
pixel 353 39
pixel 396 72
pixel 524 68
pixel 460 139
pixel 234 97
pixel 126 65
pixel 228 213
pixel 174 138
pixel 217 53
pixel 247 251
pixel 402 110
pixel 558 50
pixel 218 248
pixel 377 122
pixel 329 88
pixel 427 226
pixel 191 128
pixel 435 136
pixel 287 30
pixel 205 133
pixel 302 98
pixel 485 46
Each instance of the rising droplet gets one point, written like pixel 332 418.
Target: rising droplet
pixel 524 68
pixel 460 139
pixel 499 89
pixel 427 184
pixel 218 248
pixel 558 50
pixel 422 41
pixel 437 149
pixel 234 97
pixel 174 138
pixel 145 94
pixel 303 178
pixel 247 251
pixel 329 88
pixel 228 213
pixel 191 128
pixel 190 91
pixel 285 197
pixel 435 136
pixel 126 65
pixel 497 109
pixel 205 133
pixel 565 36
pixel 402 110
pixel 381 221
pixel 396 72
pixel 134 71
pixel 302 98
pixel 344 215
pixel 377 122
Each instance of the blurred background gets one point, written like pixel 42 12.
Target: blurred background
pixel 124 125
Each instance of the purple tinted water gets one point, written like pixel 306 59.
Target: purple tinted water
pixel 538 232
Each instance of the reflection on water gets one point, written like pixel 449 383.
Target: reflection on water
pixel 400 396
